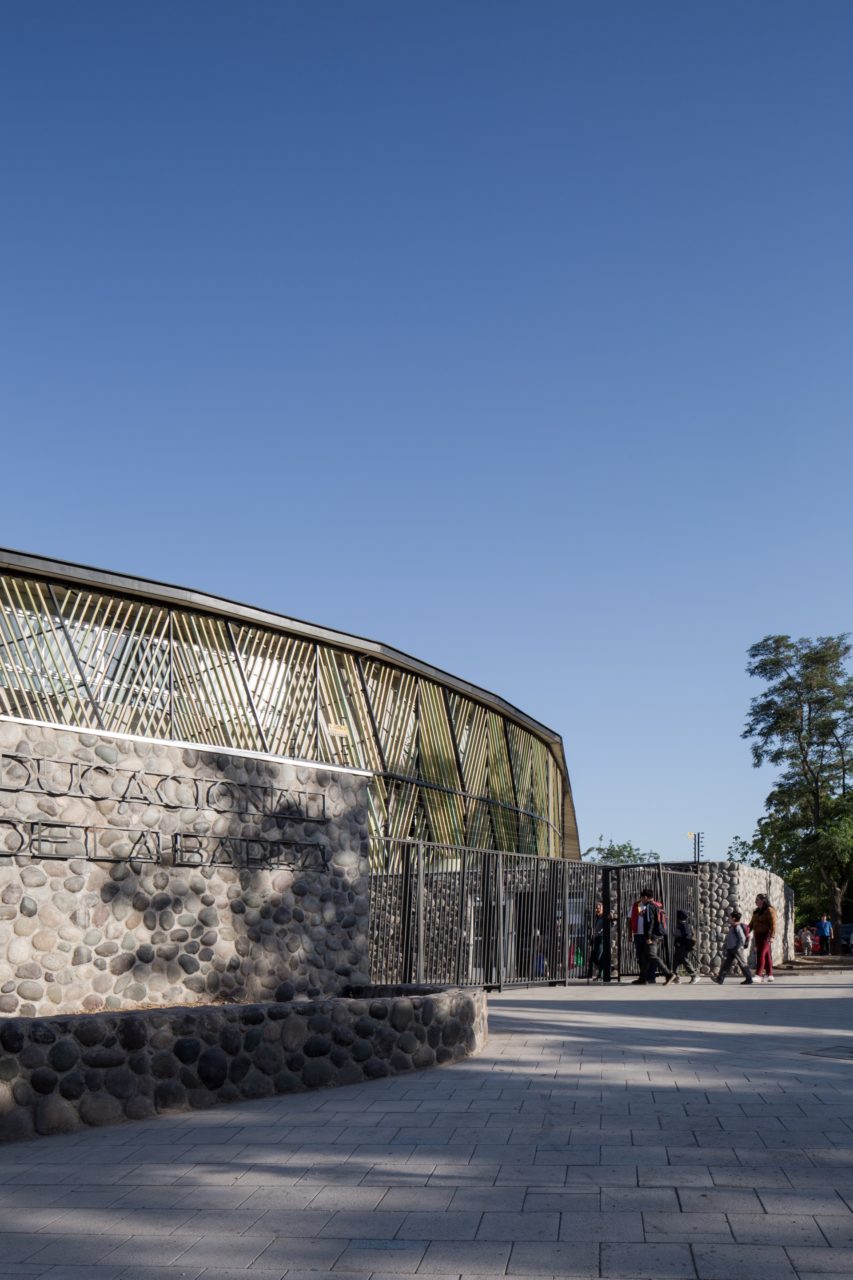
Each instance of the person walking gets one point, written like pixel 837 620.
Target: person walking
pixel 685 942
pixel 736 945
pixel 762 927
pixel 825 934
pixel 655 935
pixel 638 932
pixel 596 954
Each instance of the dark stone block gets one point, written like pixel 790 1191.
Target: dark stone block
pixel 133 1033
pixel 253 1038
pixel 230 1039
pixel 43 1080
pixel 120 1082
pixel 401 1014
pixel 362 1050
pixel 375 1069
pixel 164 1065
pixel 212 1067
pixel 451 1032
pixel 350 1073
pixel 317 1046
pixel 63 1055
pixel 101 1056
pixel 139 1107
pixel 378 1010
pixel 187 1049
pixel 122 963
pixel 239 1068
pixel 400 1062
pixel 317 1073
pixel 169 1095
pixel 256 1085
pixel 32 1056
pixel 12 1037
pixel 145 954
pixel 42 1033
pixel 90 1031
pixel 407 1043
pixel 73 1086
pixel 285 1082
pixel 99 1109
pixel 55 1115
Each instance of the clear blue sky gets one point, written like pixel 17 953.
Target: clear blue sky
pixel 516 335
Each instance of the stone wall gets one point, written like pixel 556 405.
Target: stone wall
pixel 727 885
pixel 142 873
pixel 60 1074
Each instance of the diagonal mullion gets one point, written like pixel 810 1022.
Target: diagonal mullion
pixel 75 655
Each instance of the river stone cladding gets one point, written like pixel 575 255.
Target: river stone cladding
pixel 728 886
pixel 80 934
pixel 60 1074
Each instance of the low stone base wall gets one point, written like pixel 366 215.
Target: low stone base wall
pixel 61 1074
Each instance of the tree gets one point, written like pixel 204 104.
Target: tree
pixel 803 723
pixel 622 855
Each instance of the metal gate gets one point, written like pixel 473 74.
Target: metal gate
pixel 479 917
pixel 675 890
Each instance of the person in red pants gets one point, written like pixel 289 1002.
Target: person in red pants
pixel 762 927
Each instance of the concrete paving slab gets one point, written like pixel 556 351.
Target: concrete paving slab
pixel 650 1123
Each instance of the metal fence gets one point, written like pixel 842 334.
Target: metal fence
pixel 478 917
pixel 675 890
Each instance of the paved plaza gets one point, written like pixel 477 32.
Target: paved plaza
pixel 618 1132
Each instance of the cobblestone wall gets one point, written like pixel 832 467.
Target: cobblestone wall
pixel 727 885
pixel 61 1074
pixel 136 873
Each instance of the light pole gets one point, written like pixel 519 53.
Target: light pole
pixel 698 846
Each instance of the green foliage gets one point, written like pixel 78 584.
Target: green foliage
pixel 803 723
pixel 622 855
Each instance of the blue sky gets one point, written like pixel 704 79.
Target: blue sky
pixel 515 335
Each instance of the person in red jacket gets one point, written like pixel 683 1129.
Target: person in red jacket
pixel 647 928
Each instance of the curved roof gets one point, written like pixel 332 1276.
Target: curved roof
pixel 182 597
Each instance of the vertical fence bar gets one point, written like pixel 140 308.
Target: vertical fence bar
pixel 566 924
pixel 460 917
pixel 608 914
pixel 500 918
pixel 419 962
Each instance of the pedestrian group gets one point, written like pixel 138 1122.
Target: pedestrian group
pixel 649 931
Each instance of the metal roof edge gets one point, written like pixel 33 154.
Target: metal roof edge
pixel 167 593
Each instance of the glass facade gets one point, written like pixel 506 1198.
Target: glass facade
pixel 447 767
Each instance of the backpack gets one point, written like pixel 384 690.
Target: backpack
pixel 659 928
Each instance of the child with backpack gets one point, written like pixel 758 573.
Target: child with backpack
pixel 684 944
pixel 737 944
